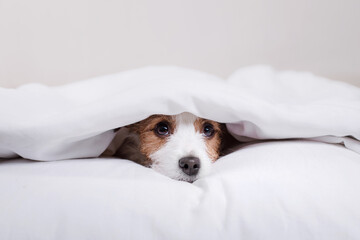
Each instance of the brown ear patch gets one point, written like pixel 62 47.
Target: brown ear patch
pixel 213 143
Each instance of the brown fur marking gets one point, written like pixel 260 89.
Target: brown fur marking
pixel 213 143
pixel 150 142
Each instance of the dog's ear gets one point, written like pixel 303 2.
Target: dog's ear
pixel 131 127
pixel 116 129
pixel 135 127
pixel 227 140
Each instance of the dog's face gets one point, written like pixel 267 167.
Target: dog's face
pixel 181 146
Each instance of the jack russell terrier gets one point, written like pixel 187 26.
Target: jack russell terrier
pixel 180 146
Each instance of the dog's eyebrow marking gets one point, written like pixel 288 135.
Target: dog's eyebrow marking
pixel 150 142
pixel 149 123
pixel 199 124
pixel 213 143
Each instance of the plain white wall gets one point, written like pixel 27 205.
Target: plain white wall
pixel 55 42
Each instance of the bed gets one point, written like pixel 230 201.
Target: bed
pixel 297 176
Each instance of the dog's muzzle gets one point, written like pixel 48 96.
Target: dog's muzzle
pixel 190 165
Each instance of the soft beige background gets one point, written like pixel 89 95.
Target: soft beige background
pixel 55 42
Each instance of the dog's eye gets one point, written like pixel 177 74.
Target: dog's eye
pixel 162 129
pixel 208 130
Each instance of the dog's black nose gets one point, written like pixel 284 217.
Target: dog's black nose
pixel 190 165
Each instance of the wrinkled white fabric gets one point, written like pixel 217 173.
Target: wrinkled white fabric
pixel 76 120
pixel 275 190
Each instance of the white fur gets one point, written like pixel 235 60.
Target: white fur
pixel 184 142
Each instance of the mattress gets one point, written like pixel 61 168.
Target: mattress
pixel 271 190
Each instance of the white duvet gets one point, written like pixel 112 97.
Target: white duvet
pixel 274 190
pixel 76 120
pixel 285 189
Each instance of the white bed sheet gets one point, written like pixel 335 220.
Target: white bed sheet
pixel 272 190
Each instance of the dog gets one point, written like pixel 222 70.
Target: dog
pixel 182 146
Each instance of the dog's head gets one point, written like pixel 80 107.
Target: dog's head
pixel 181 146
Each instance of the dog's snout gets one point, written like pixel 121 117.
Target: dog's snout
pixel 190 165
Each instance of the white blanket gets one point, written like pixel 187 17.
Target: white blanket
pixel 273 190
pixel 75 120
pixel 276 190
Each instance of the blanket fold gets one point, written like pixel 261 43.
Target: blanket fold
pixel 76 120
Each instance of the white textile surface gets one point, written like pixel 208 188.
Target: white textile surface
pixel 273 190
pixel 75 120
